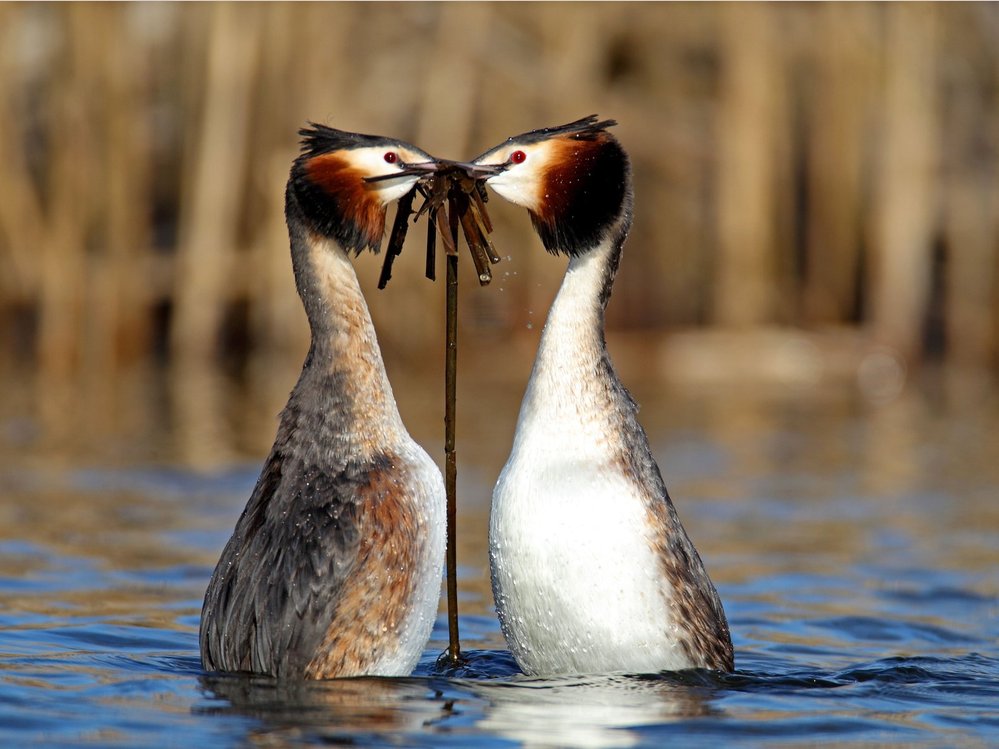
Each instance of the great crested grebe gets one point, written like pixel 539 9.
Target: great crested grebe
pixel 334 568
pixel 591 569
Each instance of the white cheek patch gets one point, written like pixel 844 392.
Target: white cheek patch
pixel 523 184
pixel 525 192
pixel 371 163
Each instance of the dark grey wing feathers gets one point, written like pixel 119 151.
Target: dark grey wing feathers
pixel 267 610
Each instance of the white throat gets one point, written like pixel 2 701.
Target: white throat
pixel 566 396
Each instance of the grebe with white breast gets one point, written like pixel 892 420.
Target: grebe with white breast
pixel 591 569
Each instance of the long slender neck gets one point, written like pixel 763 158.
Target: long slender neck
pixel 343 398
pixel 572 377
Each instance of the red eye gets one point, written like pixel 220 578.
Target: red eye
pixel 391 157
pixel 517 157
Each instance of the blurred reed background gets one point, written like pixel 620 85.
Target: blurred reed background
pixel 817 195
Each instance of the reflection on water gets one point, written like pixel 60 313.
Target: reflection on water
pixel 336 711
pixel 854 545
pixel 599 711
pixel 587 712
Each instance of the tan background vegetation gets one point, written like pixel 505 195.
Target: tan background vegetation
pixel 817 190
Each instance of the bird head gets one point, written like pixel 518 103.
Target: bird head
pixel 343 182
pixel 574 180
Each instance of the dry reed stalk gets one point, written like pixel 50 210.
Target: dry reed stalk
pixel 574 66
pixel 661 79
pixel 970 225
pixel 839 107
pixel 208 232
pixel 993 313
pixel 296 44
pixel 210 207
pixel 120 331
pixel 746 130
pixel 906 197
pixel 118 206
pixel 276 316
pixel 451 80
pixel 21 216
pixel 322 60
pixel 73 165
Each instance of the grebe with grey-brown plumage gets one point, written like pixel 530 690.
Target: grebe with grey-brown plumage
pixel 334 567
pixel 591 569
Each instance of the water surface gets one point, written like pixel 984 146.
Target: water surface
pixel 855 548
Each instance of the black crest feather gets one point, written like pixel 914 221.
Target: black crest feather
pixel 585 128
pixel 319 139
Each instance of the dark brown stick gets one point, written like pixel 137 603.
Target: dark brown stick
pixel 431 271
pixel 398 237
pixel 451 461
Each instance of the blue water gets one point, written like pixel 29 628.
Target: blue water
pixel 856 551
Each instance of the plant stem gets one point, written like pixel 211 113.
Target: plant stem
pixel 451 465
